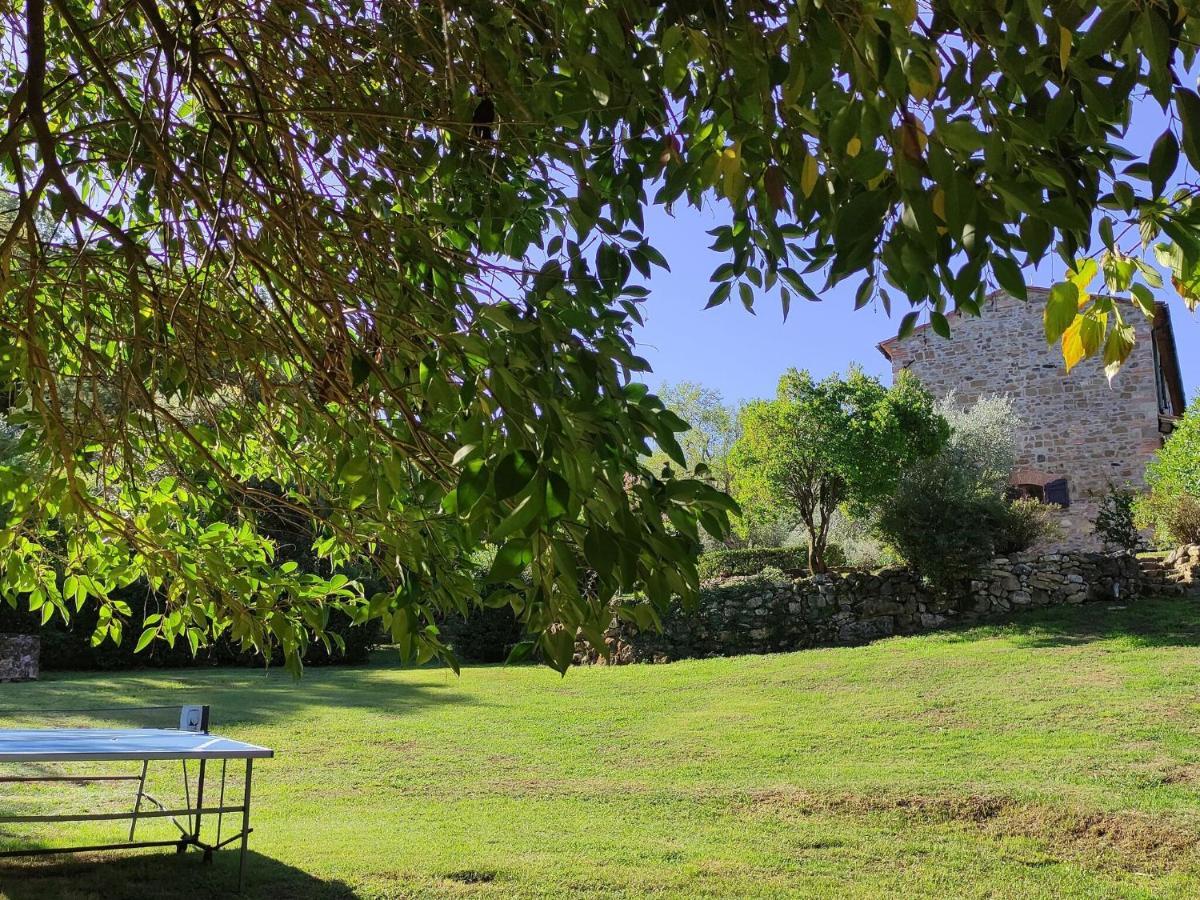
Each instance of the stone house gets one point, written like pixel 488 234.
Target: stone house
pixel 1080 432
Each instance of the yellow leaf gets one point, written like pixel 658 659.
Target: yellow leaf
pixel 853 146
pixel 1082 274
pixel 1064 46
pixel 1072 343
pixel 938 202
pixel 808 175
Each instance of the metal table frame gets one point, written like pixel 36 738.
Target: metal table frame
pixel 193 814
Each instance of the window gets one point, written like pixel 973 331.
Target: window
pixel 1027 491
pixel 1055 492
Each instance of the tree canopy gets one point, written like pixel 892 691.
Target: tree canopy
pixel 819 445
pixel 713 428
pixel 386 257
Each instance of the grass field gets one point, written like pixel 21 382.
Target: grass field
pixel 1055 757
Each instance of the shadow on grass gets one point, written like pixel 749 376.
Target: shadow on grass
pixel 160 876
pixel 238 697
pixel 1152 622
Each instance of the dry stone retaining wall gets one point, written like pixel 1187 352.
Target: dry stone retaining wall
pixel 768 614
pixel 19 657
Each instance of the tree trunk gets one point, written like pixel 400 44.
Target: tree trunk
pixel 816 551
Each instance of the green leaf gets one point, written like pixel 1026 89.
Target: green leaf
pixel 513 472
pixel 1164 158
pixel 1187 104
pixel 941 327
pixel 511 560
pixel 907 324
pixel 558 496
pixel 1008 275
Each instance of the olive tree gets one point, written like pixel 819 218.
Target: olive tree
pixel 819 445
pixel 389 256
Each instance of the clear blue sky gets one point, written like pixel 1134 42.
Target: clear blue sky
pixel 743 355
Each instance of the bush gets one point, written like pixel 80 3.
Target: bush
pixel 486 635
pixel 1175 518
pixel 1115 525
pixel 948 516
pixel 860 544
pixel 68 646
pixel 753 560
pixel 1171 507
pixel 1023 523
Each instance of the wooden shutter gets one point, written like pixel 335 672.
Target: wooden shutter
pixel 1057 492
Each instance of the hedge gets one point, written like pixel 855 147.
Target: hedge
pixel 68 647
pixel 751 561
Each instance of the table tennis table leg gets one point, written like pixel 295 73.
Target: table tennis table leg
pixel 200 810
pixel 137 805
pixel 245 824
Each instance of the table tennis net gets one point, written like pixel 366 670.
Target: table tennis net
pixel 190 717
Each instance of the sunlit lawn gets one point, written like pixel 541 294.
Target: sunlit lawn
pixel 1058 757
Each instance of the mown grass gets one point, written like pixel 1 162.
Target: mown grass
pixel 1054 757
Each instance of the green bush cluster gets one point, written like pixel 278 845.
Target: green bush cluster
pixel 1116 524
pixel 752 561
pixel 1171 506
pixel 69 647
pixel 949 513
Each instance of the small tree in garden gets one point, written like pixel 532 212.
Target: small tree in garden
pixel 1172 505
pixel 819 445
pixel 1115 523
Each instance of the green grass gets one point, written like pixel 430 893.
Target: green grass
pixel 1056 757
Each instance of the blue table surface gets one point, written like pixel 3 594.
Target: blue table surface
pixel 66 744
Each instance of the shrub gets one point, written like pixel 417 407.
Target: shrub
pixel 1171 506
pixel 1022 524
pixel 1115 525
pixel 751 561
pixel 69 646
pixel 485 635
pixel 948 515
pixel 1175 518
pixel 860 545
pixel 754 560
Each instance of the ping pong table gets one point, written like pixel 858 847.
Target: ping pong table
pixel 191 742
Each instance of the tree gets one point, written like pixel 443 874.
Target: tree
pixel 819 445
pixel 949 514
pixel 388 256
pixel 1171 505
pixel 713 429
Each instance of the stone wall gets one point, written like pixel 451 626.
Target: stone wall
pixel 1077 426
pixel 764 614
pixel 19 657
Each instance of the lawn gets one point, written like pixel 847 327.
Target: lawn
pixel 1054 757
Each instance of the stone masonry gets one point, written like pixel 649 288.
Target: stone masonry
pixel 771 613
pixel 1077 427
pixel 19 657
